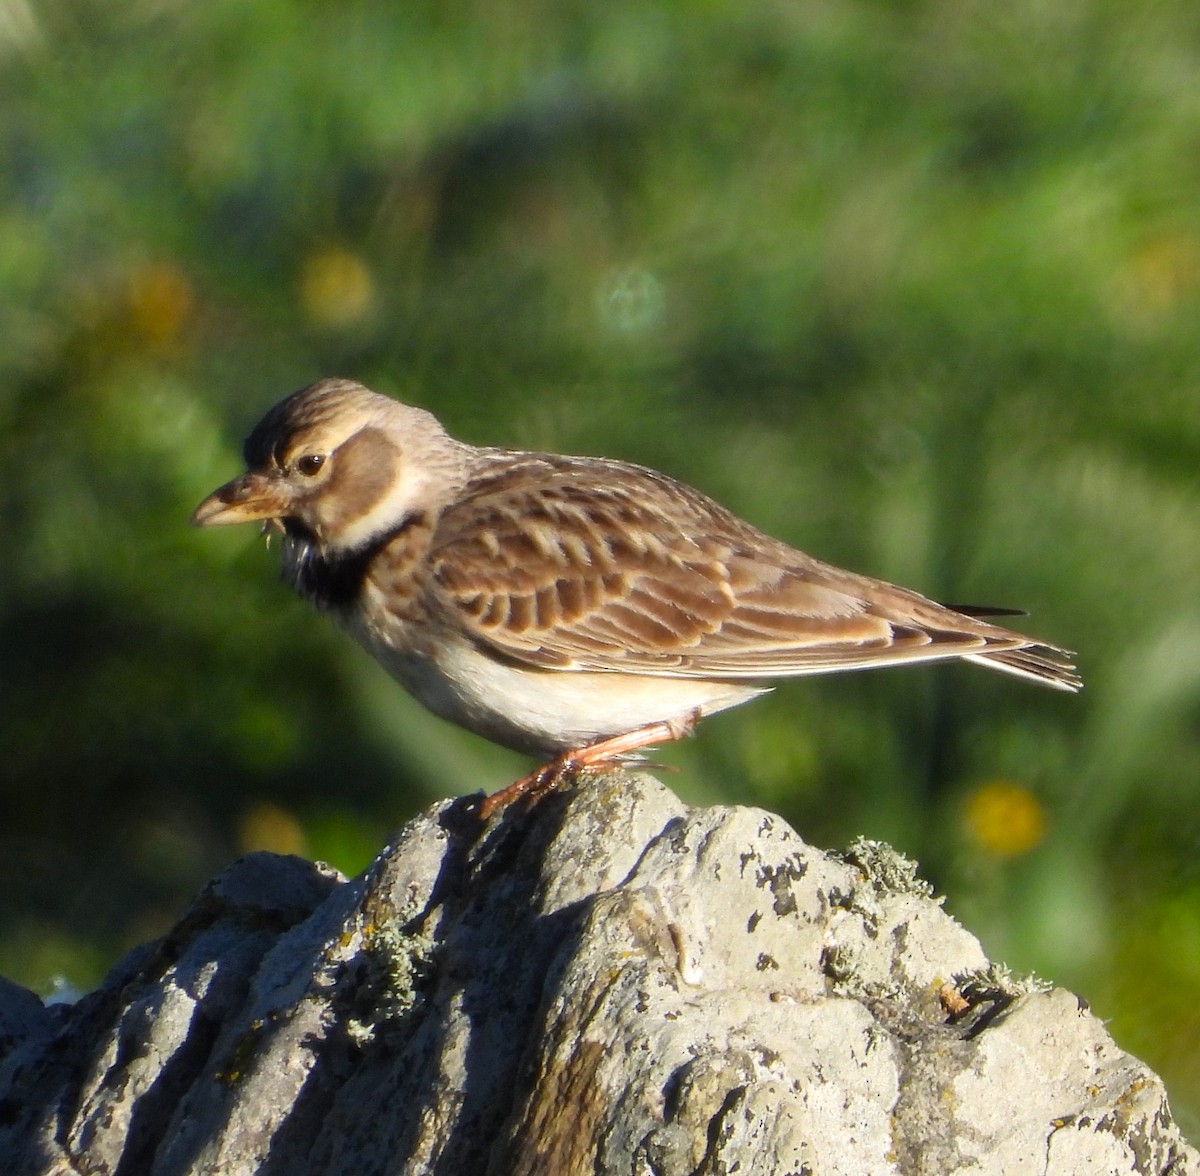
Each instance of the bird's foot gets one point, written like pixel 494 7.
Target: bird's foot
pixel 529 788
pixel 569 763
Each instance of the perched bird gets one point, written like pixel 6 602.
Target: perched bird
pixel 568 607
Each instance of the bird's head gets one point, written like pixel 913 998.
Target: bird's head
pixel 336 465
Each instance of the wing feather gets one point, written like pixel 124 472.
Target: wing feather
pixel 582 564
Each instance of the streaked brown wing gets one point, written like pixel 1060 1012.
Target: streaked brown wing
pixel 574 563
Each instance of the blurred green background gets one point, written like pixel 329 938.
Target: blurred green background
pixel 913 285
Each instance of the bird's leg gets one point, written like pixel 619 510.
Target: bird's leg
pixel 546 778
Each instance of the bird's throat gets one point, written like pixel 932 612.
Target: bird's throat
pixel 333 580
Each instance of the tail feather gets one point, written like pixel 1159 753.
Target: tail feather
pixel 1046 664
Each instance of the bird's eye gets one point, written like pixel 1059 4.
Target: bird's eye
pixel 310 463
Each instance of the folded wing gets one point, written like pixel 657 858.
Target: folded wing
pixel 574 564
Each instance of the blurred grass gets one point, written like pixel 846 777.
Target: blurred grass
pixel 913 286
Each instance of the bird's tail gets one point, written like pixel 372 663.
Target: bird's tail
pixel 1039 663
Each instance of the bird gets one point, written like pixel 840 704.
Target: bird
pixel 576 609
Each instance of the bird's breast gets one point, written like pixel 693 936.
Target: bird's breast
pixel 384 569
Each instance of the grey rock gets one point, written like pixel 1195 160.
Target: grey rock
pixel 611 983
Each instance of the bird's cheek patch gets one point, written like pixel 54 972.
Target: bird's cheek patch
pixel 363 473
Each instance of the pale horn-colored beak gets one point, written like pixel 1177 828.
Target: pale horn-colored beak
pixel 247 499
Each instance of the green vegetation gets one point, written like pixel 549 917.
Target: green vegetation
pixel 913 285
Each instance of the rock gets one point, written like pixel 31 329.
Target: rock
pixel 609 983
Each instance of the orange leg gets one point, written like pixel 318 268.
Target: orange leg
pixel 546 778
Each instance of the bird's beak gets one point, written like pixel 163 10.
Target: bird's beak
pixel 246 499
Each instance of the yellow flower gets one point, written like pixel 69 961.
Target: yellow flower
pixel 1004 819
pixel 336 287
pixel 161 298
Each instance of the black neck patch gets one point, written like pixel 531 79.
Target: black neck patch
pixel 335 581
